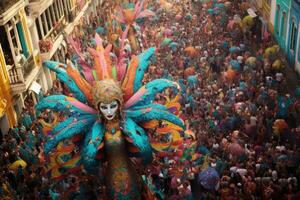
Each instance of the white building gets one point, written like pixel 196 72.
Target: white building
pixel 32 31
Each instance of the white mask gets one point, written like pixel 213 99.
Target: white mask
pixel 109 110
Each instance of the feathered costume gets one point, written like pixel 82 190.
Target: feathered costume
pixel 128 15
pixel 123 137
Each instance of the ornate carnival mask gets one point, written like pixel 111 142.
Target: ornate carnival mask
pixel 108 98
pixel 109 110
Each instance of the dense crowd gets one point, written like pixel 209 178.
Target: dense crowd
pixel 235 100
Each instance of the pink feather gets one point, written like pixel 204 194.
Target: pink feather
pixel 98 40
pixel 138 8
pixel 121 66
pixel 108 49
pixel 82 106
pixel 92 51
pixel 135 98
pixel 87 71
pixel 76 47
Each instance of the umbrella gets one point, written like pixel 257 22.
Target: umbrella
pixel 277 65
pixel 220 6
pixel 178 17
pixel 281 124
pixel 203 150
pixel 188 16
pixel 230 74
pixel 100 30
pixel 189 71
pixel 271 51
pixel 235 65
pixel 282 157
pixel 191 51
pixel 168 32
pixel 235 149
pixel 247 21
pixel 192 80
pixel 251 61
pixel 174 46
pixel 16 164
pixel 166 41
pixel 210 11
pixel 234 49
pixel 209 178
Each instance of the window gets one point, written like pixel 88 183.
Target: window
pixel 283 25
pixel 293 39
pixel 22 39
pixel 4 43
pixel 299 47
pixel 38 28
pixel 277 22
pixel 17 40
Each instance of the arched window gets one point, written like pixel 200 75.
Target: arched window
pixel 283 25
pixel 277 22
pixel 299 45
pixel 293 39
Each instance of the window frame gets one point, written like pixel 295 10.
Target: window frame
pixel 278 21
pixel 293 38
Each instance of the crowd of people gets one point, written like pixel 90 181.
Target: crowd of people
pixel 242 117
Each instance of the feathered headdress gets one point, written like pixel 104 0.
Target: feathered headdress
pixel 124 84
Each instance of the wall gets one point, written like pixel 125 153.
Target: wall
pixel 284 8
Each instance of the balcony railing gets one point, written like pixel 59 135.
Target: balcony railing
pixel 6 4
pixel 18 73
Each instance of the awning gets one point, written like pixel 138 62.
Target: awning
pixel 251 12
pixel 35 87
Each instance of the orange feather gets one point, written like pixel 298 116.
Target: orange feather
pixel 128 83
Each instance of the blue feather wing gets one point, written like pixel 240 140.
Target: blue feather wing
pixel 76 126
pixel 144 62
pixel 154 87
pixel 59 103
pixel 148 114
pixel 65 78
pixel 139 139
pixel 91 145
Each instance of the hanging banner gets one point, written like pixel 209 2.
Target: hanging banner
pixel 35 87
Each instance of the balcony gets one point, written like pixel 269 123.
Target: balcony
pixel 9 8
pixel 6 4
pixel 20 75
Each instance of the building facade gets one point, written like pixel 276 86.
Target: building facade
pixel 281 25
pixel 18 59
pixel 293 49
pixel 32 31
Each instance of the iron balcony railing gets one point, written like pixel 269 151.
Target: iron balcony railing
pixel 18 73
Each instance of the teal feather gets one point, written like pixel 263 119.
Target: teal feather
pixel 65 78
pixel 153 88
pixel 139 139
pixel 91 143
pixel 59 103
pixel 137 111
pixel 154 114
pixel 68 132
pixel 144 62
